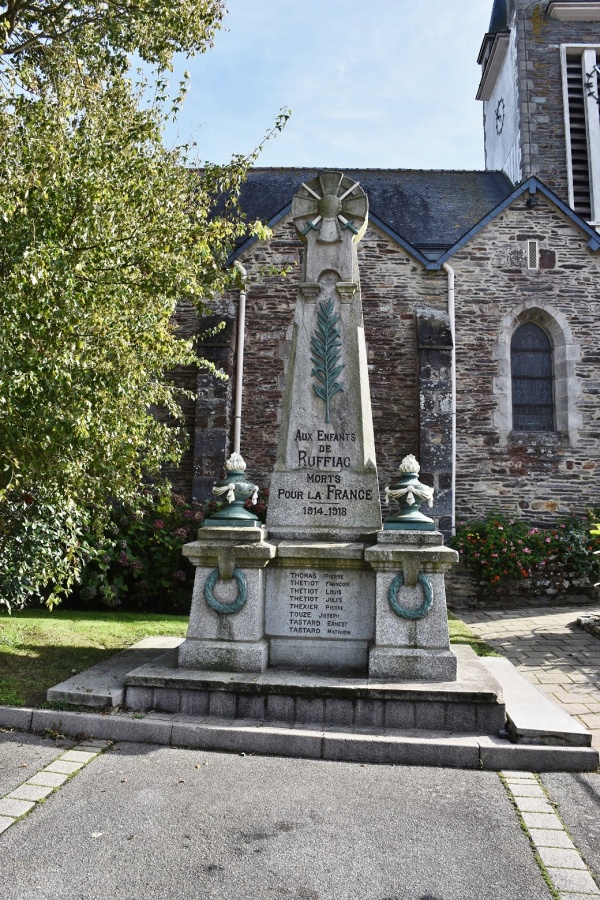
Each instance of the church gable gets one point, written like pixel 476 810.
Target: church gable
pixel 525 431
pixel 530 194
pixel 462 263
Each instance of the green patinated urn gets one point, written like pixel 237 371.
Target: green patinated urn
pixel 235 490
pixel 409 493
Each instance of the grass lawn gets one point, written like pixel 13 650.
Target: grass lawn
pixel 39 649
pixel 462 634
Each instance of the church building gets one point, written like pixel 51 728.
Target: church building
pixel 480 290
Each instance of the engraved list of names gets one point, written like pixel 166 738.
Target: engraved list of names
pixel 317 603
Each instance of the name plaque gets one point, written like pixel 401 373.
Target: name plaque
pixel 320 604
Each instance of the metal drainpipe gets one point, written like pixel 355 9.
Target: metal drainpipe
pixel 239 361
pixel 452 316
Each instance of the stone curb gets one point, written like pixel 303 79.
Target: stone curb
pixel 414 747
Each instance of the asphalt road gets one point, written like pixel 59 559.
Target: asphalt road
pixel 21 755
pixel 145 822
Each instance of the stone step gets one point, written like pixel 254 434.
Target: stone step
pixel 103 685
pixel 532 718
pixel 367 745
pixel 471 704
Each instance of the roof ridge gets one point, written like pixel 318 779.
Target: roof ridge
pixel 371 169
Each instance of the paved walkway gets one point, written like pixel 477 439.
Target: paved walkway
pixel 551 651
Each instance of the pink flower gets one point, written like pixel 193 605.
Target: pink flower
pixel 158 523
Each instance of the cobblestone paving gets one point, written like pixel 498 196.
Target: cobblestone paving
pixel 549 648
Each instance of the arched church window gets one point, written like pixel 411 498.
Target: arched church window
pixel 532 379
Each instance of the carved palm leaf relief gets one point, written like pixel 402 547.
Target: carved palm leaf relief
pixel 325 346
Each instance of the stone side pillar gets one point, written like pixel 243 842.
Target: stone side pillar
pixel 435 410
pixel 411 627
pixel 226 632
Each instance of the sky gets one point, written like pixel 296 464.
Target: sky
pixel 377 84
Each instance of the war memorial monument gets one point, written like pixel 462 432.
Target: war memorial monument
pixel 324 633
pixel 326 614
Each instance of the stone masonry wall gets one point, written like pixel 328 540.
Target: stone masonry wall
pixel 538 476
pixel 207 414
pixel 543 141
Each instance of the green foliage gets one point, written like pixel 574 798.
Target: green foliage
pixel 102 231
pixel 137 561
pixel 155 29
pixel 41 544
pixel 497 550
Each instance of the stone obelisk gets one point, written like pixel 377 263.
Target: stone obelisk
pixel 324 484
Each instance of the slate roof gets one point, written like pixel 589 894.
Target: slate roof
pixel 499 19
pixel 430 209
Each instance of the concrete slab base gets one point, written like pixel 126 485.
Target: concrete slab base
pixel 326 716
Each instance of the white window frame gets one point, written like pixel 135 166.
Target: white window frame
pixel 592 129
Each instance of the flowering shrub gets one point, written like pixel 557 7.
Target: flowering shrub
pixel 137 560
pixel 595 532
pixel 497 550
pixel 260 507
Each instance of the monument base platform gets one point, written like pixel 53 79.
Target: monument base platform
pixel 473 703
pixel 539 737
pixel 413 665
pixel 249 656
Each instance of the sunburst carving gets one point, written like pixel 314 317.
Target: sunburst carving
pixel 330 204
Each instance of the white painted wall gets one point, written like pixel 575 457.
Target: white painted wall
pixel 503 152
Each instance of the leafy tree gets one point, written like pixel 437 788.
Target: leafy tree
pixel 155 29
pixel 102 231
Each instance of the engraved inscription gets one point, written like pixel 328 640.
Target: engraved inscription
pixel 325 491
pixel 323 604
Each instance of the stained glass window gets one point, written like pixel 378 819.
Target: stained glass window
pixel 532 381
